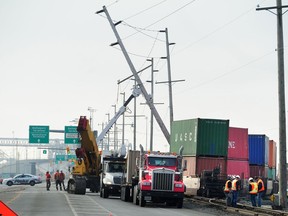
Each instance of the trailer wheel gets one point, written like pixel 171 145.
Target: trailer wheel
pixel 135 196
pixel 142 202
pixel 179 203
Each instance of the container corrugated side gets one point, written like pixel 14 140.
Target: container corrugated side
pixel 270 173
pixel 272 155
pixel 256 170
pixel 196 164
pixel 238 167
pixel 212 137
pixel 238 148
pixel 258 145
pixel 184 133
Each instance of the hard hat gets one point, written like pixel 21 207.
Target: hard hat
pixel 250 179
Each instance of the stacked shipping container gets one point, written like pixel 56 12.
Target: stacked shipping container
pixel 272 153
pixel 258 154
pixel 262 156
pixel 238 153
pixel 205 144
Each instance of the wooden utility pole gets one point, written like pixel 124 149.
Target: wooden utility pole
pixel 168 44
pixel 137 78
pixel 281 99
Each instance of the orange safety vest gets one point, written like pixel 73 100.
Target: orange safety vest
pixel 234 185
pixel 227 188
pixel 263 187
pixel 254 187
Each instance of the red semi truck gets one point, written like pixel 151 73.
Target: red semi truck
pixel 155 177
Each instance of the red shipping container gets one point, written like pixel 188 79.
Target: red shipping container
pixel 257 170
pixel 272 154
pixel 196 164
pixel 238 147
pixel 238 167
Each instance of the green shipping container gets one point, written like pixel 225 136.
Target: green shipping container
pixel 200 137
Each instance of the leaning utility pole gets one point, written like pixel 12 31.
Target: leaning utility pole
pixel 281 99
pixel 137 78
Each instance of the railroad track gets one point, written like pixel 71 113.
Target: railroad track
pixel 241 209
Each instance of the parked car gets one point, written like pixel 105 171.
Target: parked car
pixel 21 179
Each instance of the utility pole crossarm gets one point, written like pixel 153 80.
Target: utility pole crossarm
pixel 137 78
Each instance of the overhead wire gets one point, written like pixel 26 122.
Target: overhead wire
pixel 217 29
pixel 140 12
pixel 229 72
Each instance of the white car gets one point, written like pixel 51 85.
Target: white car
pixel 23 179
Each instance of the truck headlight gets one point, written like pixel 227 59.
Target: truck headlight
pixel 178 185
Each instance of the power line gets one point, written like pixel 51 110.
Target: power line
pixel 140 12
pixel 229 72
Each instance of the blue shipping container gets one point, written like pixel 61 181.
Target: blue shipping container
pixel 258 145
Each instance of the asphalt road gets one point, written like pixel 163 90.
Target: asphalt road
pixel 36 200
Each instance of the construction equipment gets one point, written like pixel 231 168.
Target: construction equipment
pixel 86 173
pixel 157 178
pixel 212 183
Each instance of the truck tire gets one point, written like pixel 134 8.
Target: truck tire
pixel 135 196
pixel 105 193
pixel 76 186
pixel 179 203
pixel 142 202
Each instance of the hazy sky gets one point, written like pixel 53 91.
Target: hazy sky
pixel 56 61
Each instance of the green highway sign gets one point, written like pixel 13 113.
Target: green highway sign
pixel 71 135
pixel 38 134
pixel 60 158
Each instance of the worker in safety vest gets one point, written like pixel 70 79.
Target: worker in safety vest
pixel 48 180
pixel 57 180
pixel 236 186
pixel 261 190
pixel 253 190
pixel 227 191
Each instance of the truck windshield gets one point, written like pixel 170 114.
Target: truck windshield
pixel 160 161
pixel 115 167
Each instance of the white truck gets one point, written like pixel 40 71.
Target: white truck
pixel 113 166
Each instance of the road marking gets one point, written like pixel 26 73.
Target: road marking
pixel 70 205
pixel 14 198
pixel 80 205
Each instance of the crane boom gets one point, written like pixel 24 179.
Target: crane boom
pixel 136 92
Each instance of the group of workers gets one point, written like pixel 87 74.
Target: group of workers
pixel 59 178
pixel 232 188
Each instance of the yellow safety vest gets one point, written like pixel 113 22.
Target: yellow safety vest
pixel 254 189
